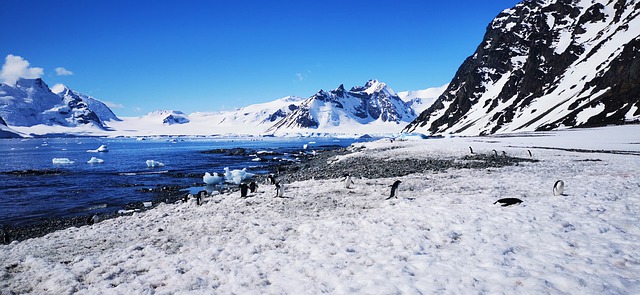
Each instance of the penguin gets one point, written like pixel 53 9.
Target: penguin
pixel 508 201
pixel 347 181
pixel 504 154
pixel 279 190
pixel 271 179
pixel 471 150
pixel 201 194
pixel 394 190
pixel 6 239
pixel 93 219
pixel 558 188
pixel 243 190
pixel 253 187
pixel 530 154
pixel 187 197
pixel 495 153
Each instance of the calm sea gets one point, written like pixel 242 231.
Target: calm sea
pixel 48 189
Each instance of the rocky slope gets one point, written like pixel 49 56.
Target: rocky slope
pixel 542 65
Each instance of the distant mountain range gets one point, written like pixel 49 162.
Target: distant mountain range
pixel 32 107
pixel 543 65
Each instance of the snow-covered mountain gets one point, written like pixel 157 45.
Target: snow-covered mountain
pixel 102 111
pixel 546 64
pixel 166 117
pixel 250 120
pixel 373 104
pixel 420 100
pixel 30 102
pixel 262 114
pixel 6 131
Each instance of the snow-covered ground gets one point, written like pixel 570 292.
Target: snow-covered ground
pixel 443 235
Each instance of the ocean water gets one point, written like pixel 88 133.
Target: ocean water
pixel 48 189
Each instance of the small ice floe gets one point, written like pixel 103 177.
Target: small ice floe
pixel 147 204
pixel 102 149
pixel 62 161
pixel 154 163
pixel 123 211
pixel 95 160
pixel 212 179
pixel 256 159
pixel 237 176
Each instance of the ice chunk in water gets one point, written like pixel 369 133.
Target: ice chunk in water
pixel 154 163
pixel 61 161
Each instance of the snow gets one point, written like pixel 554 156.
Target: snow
pixel 443 235
pixel 420 100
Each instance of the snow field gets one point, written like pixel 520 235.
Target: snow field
pixel 442 235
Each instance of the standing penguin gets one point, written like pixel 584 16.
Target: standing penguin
pixel 243 190
pixel 93 219
pixel 394 190
pixel 279 190
pixel 347 181
pixel 558 188
pixel 471 150
pixel 201 194
pixel 253 187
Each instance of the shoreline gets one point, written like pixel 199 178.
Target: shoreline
pixel 321 166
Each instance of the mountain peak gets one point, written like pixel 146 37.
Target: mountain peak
pixel 60 89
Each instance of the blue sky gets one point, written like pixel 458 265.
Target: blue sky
pixel 141 56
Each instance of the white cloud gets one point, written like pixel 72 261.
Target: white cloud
pixel 16 67
pixel 60 71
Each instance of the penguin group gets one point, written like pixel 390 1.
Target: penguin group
pixel 245 188
pixel 199 197
pixel 558 190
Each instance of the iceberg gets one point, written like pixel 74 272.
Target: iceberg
pixel 212 179
pixel 237 176
pixel 95 160
pixel 154 163
pixel 102 149
pixel 61 161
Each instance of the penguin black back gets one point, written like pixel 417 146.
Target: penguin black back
pixel 394 189
pixel 508 201
pixel 243 190
pixel 253 187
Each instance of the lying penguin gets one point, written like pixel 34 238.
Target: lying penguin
pixel 508 201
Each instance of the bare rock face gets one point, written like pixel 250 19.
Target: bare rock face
pixel 543 65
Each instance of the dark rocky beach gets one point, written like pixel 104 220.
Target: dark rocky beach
pixel 321 165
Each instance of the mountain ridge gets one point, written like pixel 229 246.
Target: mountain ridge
pixel 545 65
